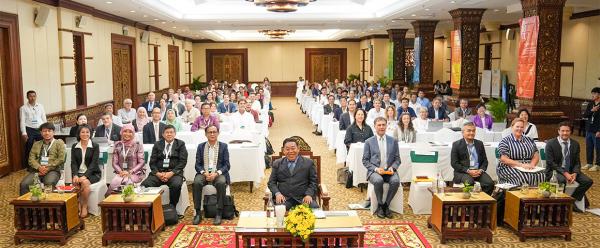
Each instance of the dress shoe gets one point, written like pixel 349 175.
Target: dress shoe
pixel 387 211
pixel 197 219
pixel 380 212
pixel 217 220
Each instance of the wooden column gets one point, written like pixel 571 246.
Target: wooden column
pixel 425 30
pixel 545 105
pixel 467 22
pixel 397 37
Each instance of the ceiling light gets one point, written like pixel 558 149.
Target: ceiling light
pixel 132 11
pixel 281 5
pixel 371 29
pixel 219 21
pixel 145 15
pixel 496 10
pixel 155 19
pixel 163 22
pixel 393 21
pixel 413 15
pixel 108 2
pixel 276 33
pixel 452 1
pixel 426 9
pixel 174 27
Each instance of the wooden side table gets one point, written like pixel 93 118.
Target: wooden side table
pixel 131 221
pixel 54 218
pixel 531 215
pixel 454 217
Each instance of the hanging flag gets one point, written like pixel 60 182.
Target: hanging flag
pixel 455 57
pixel 417 58
pixel 527 56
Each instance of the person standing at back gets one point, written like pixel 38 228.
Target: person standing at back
pixel 31 116
pixel 592 135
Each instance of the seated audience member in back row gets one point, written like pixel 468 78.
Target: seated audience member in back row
pixel 150 103
pixel 242 119
pixel 81 120
pixel 212 168
pixel 529 129
pixel 108 108
pixel 463 111
pixel 293 179
pixel 173 120
pixel 405 132
pixel 226 107
pixel 359 131
pixel 191 113
pixel 421 123
pixel 108 129
pixel 127 113
pixel 469 161
pixel 404 108
pixel 481 119
pixel 437 112
pixel 346 119
pixel 46 158
pixel 153 130
pixel 205 119
pixel 562 158
pixel 376 111
pixel 127 160
pixel 167 162
pixel 141 119
pixel 382 156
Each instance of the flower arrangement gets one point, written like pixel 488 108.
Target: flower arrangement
pixel 128 193
pixel 36 192
pixel 546 189
pixel 300 222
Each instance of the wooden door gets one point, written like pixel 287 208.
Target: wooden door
pixel 325 63
pixel 124 72
pixel 227 64
pixel 227 67
pixel 4 155
pixel 173 67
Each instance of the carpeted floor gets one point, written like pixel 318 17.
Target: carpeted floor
pixel 290 121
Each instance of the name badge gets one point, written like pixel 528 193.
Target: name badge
pixel 166 163
pixel 472 164
pixel 44 160
pixel 34 121
pixel 125 165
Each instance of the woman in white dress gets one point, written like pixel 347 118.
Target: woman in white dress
pixel 529 128
pixel 420 123
pixel 392 122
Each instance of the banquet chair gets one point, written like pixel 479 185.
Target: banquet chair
pixel 184 198
pixel 419 198
pixel 98 189
pixel 396 205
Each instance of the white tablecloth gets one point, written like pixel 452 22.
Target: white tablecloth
pixel 355 153
pixel 334 128
pixel 324 124
pixel 316 113
pixel 483 135
pixel 340 147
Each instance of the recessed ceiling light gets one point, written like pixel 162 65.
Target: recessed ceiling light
pixel 355 34
pixel 218 21
pixel 413 15
pixel 363 32
pixel 452 1
pixel 401 18
pixel 184 30
pixel 339 21
pixel 393 21
pixel 371 29
pixel 145 15
pixel 426 9
pixel 197 35
pixel 163 22
pixel 174 27
pixel 132 11
pixel 155 19
pixel 108 2
pixel 496 10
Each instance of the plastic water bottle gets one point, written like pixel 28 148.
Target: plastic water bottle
pixel 554 182
pixel 270 213
pixel 441 184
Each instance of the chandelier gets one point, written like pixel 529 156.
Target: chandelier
pixel 281 5
pixel 276 33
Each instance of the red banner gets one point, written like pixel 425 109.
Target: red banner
pixel 527 56
pixel 455 64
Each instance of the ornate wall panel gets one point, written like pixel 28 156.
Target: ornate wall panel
pixel 233 55
pixel 397 37
pixel 325 63
pixel 425 31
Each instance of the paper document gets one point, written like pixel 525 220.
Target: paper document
pixel 536 169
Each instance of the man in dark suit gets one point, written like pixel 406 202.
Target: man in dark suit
pixel 364 103
pixel 167 163
pixel 562 156
pixel 338 112
pixel 152 130
pixel 404 108
pixel 293 178
pixel 108 129
pixel 347 118
pixel 151 103
pixel 469 160
pixel 381 157
pixel 212 168
pixel 437 112
pixel 463 111
pixel 331 106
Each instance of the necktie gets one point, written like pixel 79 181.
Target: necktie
pixel 382 151
pixel 168 148
pixel 150 106
pixel 566 156
pixel 156 127
pixel 291 166
pixel 473 153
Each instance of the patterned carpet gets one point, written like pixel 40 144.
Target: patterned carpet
pixel 290 121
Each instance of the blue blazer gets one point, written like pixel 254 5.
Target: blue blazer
pixel 411 111
pixel 442 112
pixel 221 108
pixel 222 162
pixel 371 158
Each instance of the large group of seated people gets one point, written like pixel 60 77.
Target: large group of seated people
pixel 398 114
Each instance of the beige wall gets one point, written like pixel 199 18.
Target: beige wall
pixel 280 61
pixel 381 52
pixel 41 48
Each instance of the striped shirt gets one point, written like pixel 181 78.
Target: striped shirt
pixel 522 151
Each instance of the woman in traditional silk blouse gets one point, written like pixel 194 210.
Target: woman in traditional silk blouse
pixel 481 119
pixel 128 160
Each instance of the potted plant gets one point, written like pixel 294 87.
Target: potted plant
pixel 351 77
pixel 546 189
pixel 498 109
pixel 128 194
pixel 197 84
pixel 36 193
pixel 383 81
pixel 467 190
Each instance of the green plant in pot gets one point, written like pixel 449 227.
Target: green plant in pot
pixel 498 109
pixel 352 77
pixel 36 192
pixel 128 194
pixel 384 81
pixel 467 190
pixel 546 189
pixel 197 84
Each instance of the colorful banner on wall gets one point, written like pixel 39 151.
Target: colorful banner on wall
pixel 390 73
pixel 527 56
pixel 455 63
pixel 417 59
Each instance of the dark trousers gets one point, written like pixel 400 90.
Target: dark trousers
pixel 200 181
pixel 33 135
pixel 584 181
pixel 51 177
pixel 174 184
pixel 592 143
pixel 291 202
pixel 378 181
pixel 487 184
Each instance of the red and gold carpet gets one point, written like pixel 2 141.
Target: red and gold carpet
pixel 379 234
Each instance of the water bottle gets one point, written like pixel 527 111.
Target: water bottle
pixel 441 184
pixel 36 180
pixel 270 213
pixel 554 182
pixel 476 188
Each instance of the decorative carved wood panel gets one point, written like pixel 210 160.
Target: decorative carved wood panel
pixel 397 37
pixel 227 67
pixel 173 67
pixel 325 63
pixel 121 74
pixel 4 157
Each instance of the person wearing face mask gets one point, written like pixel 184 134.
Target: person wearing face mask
pixel 128 160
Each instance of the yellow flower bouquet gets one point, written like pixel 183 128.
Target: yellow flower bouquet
pixel 300 222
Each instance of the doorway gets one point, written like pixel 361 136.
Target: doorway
pixel 124 70
pixel 173 67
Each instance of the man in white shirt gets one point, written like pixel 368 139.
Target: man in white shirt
pixel 127 113
pixel 108 108
pixel 376 111
pixel 255 103
pixel 243 119
pixel 413 102
pixel 31 116
pixel 190 114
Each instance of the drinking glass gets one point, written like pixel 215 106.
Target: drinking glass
pixel 47 189
pixel 560 189
pixel 525 189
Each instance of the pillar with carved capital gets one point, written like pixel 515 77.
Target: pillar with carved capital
pixel 397 37
pixel 545 104
pixel 424 31
pixel 467 22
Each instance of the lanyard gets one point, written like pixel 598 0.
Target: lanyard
pixel 48 149
pixel 471 150
pixel 125 152
pixel 167 153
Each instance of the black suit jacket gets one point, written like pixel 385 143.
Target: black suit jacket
pixel 296 185
pixel 337 113
pixel 145 105
pixel 327 109
pixel 345 121
pixel 148 132
pixel 554 157
pixel 222 160
pixel 459 158
pixel 368 106
pixel 178 157
pixel 115 133
pixel 441 110
pixel 92 161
